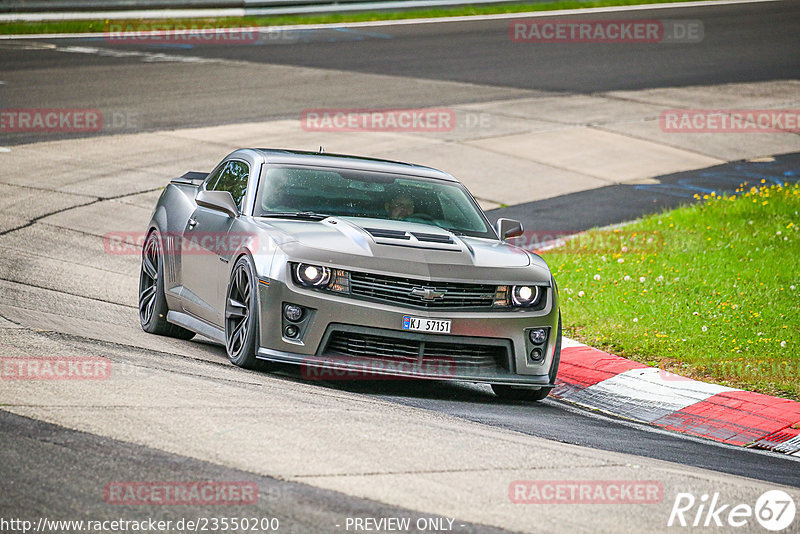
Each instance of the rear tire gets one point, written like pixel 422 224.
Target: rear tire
pixel 528 394
pixel 152 302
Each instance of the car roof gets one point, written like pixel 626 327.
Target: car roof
pixel 345 161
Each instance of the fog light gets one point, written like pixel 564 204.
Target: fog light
pixel 536 355
pixel 292 312
pixel 537 336
pixel 291 331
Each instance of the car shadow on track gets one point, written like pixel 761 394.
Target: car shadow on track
pixel 404 388
pixel 396 388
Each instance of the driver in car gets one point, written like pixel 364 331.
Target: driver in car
pixel 399 206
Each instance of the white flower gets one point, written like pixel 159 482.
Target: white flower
pixel 624 249
pixel 778 232
pixel 695 313
pixel 791 287
pixel 581 293
pixel 597 277
pixel 627 278
pixel 783 344
pixel 660 278
pixel 603 258
pixel 621 260
pixel 642 279
pixel 704 328
pixel 635 319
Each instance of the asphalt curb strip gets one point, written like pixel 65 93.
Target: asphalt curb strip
pixel 595 379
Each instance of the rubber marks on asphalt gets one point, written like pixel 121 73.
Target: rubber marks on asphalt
pixel 615 385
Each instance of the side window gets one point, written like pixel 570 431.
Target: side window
pixel 211 180
pixel 232 179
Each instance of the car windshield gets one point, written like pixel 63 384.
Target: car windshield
pixel 309 192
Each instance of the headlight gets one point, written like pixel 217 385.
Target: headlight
pixel 312 275
pixel 309 275
pixel 518 296
pixel 524 295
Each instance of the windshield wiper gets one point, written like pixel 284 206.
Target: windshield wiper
pixel 459 233
pixel 305 215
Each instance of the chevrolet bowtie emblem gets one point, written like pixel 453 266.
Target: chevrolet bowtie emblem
pixel 427 293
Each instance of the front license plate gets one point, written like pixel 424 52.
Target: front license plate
pixel 421 324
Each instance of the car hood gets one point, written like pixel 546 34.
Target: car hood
pixel 399 246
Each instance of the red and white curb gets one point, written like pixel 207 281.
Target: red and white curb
pixel 595 379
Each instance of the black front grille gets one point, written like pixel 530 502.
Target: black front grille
pixel 462 356
pixel 399 291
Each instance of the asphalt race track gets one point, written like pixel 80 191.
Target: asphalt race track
pixel 177 94
pixel 320 452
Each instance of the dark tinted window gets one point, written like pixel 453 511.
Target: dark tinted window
pixel 356 193
pixel 232 179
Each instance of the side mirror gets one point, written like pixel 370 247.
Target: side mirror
pixel 508 228
pixel 217 200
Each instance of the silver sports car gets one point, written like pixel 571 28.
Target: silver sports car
pixel 351 267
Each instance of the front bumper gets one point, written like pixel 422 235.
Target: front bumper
pixel 347 338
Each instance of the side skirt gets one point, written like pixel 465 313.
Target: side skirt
pixel 196 325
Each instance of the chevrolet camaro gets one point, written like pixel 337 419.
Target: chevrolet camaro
pixel 349 267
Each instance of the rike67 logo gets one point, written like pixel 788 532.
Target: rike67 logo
pixel 774 510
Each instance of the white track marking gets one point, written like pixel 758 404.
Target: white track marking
pixel 148 57
pixel 645 394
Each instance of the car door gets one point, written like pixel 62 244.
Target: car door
pixel 208 245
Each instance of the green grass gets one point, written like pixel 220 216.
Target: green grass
pixel 91 26
pixel 710 291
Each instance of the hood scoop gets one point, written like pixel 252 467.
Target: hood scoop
pixel 383 233
pixel 433 238
pixel 400 238
pixel 387 234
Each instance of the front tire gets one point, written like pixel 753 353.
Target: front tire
pixel 528 394
pixel 520 393
pixel 241 316
pixel 152 302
